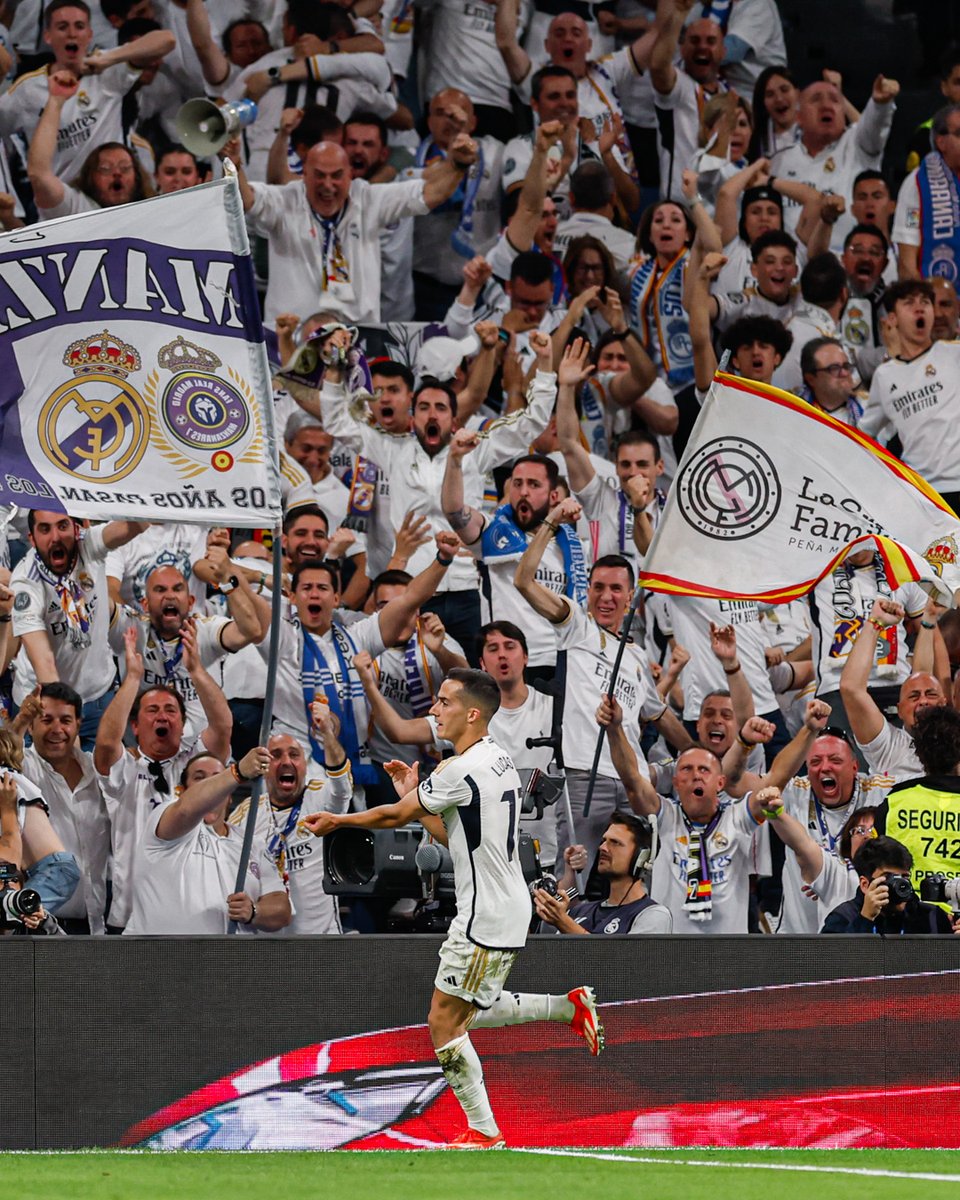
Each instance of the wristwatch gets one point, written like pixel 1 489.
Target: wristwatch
pixel 273 74
pixel 228 585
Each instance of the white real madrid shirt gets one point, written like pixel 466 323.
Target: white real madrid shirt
pixel 510 728
pixel 183 883
pixel 88 119
pixel 162 544
pixel 478 795
pixel 88 669
pixel 921 400
pixel 728 861
pixel 591 652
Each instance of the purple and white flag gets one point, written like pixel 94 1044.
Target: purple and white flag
pixel 133 374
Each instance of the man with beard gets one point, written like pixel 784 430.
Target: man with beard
pixel 591 636
pixel 702 873
pixel 166 608
pixel 415 465
pixel 917 393
pixel 886 747
pixel 110 174
pixel 62 611
pixel 298 855
pixel 626 849
pixel 946 309
pixel 136 780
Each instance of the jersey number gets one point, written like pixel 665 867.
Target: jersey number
pixel 511 799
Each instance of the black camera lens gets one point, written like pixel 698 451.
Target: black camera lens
pixel 17 905
pixel 350 856
pixel 899 888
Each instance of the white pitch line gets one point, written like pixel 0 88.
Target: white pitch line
pixel 928 1176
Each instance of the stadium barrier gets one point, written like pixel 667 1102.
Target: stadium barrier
pixel 312 1043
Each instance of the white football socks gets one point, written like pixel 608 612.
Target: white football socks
pixel 516 1008
pixel 461 1066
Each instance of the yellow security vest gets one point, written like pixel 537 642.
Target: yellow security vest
pixel 924 814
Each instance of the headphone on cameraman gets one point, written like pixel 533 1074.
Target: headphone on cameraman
pixel 640 827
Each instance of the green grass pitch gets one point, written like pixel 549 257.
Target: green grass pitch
pixel 402 1175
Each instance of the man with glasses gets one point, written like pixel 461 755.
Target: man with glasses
pixel 828 378
pixel 823 287
pixel 865 255
pixel 925 230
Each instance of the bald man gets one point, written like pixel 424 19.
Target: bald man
pixel 324 230
pixel 468 224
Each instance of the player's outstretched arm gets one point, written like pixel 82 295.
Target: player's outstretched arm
pixel 385 816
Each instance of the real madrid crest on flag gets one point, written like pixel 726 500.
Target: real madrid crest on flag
pixel 200 419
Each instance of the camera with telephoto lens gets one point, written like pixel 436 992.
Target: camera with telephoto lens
pixel 899 888
pixel 938 889
pixel 14 906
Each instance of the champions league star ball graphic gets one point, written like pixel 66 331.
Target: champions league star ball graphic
pixel 834 1063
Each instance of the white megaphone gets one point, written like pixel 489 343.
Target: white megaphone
pixel 205 127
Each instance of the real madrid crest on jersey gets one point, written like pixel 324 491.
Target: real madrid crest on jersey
pixel 95 426
pixel 942 553
pixel 201 420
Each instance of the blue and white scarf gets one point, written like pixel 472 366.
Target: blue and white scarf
pixel 466 195
pixel 352 711
pixel 717 10
pixel 658 316
pixel 939 219
pixel 503 540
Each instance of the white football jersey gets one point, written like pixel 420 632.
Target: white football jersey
pixel 478 795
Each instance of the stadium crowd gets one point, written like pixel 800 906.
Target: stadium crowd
pixel 541 224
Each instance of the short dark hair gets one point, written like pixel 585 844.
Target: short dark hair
pixel 773 237
pixel 32 517
pixel 389 368
pixel 165 690
pixel 906 289
pixel 748 330
pixel 948 61
pixel 429 384
pixel 541 460
pixel 316 564
pixel 322 20
pixel 724 692
pixel 550 71
pixel 870 174
pixel 646 221
pixel 177 148
pixel 182 781
pixel 304 510
pixel 936 739
pixel 228 34
pixel 938 126
pixel 808 355
pixel 823 280
pixel 532 267
pixel 64 693
pixel 58 4
pixel 614 562
pixel 881 852
pixel 478 687
pixel 391 578
pixel 591 187
pixel 869 231
pixel 506 629
pixel 640 829
pixel 317 124
pixel 135 28
pixel 635 437
pixel 363 116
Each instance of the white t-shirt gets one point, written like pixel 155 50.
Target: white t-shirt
pixel 463 52
pixel 758 23
pixel 79 819
pixel 690 617
pixel 921 400
pixel 678 131
pixel 618 241
pixel 88 119
pixel 836 166
pixel 591 652
pixel 799 913
pixel 750 303
pixel 906 219
pixel 83 657
pixel 315 264
pixel 165 544
pixel 183 883
pixel 728 860
pixel 892 752
pixel 478 795
pixel 510 728
pixel 396 668
pixel 839 607
pixel 836 883
pixel 297 855
pixel 131 796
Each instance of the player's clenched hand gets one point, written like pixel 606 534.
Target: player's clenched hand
pixel 321 823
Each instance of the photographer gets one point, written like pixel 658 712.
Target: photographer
pixel 21 912
pixel 886 903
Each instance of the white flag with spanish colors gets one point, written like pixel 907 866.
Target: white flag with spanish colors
pixel 133 375
pixel 771 495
